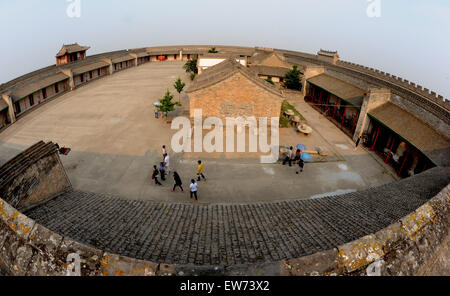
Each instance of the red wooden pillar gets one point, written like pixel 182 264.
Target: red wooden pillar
pixel 404 162
pixel 376 138
pixel 335 108
pixel 319 100
pixel 313 91
pixel 390 150
pixel 328 99
pixel 355 121
pixel 343 116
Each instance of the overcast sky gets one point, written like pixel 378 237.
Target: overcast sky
pixel 410 39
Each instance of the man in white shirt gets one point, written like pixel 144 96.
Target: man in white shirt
pixel 193 187
pixel 289 157
pixel 164 151
pixel 167 163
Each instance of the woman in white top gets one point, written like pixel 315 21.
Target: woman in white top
pixel 167 163
pixel 193 187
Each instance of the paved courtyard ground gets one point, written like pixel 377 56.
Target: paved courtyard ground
pixel 115 140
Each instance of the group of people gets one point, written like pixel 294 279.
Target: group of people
pixel 164 169
pixel 295 158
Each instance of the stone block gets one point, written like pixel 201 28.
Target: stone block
pixel 89 257
pixel 360 253
pixel 18 222
pixel 403 260
pixel 23 258
pixel 196 270
pixel 44 240
pixel 4 232
pixel 258 269
pixel 45 264
pixel 166 270
pixel 321 263
pixel 10 246
pixel 115 265
pixel 414 222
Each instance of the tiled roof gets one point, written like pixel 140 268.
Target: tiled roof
pixel 415 131
pixel 40 82
pixel 339 88
pixel 89 67
pixel 226 69
pixel 328 53
pixel 71 48
pixel 122 58
pixel 269 71
pixel 260 56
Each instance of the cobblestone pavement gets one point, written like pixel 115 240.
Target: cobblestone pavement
pixel 233 234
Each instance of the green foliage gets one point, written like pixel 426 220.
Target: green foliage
pixel 213 50
pixel 179 85
pixel 193 76
pixel 191 66
pixel 284 122
pixel 166 103
pixel 270 81
pixel 292 79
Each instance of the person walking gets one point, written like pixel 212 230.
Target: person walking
pixel 162 171
pixel 298 153
pixel 155 176
pixel 178 182
pixel 289 156
pixel 301 164
pixel 156 113
pixel 167 164
pixel 193 187
pixel 164 151
pixel 200 171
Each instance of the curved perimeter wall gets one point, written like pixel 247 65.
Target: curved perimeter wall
pixel 417 96
pixel 28 248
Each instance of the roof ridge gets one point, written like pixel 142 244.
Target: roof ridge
pixel 226 69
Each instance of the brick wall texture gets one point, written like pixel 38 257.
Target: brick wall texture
pixel 234 97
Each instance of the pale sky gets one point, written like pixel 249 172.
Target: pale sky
pixel 410 39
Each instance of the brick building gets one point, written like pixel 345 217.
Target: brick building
pixel 232 90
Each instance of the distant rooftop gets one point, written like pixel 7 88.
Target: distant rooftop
pixel 71 48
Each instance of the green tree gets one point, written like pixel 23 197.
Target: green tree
pixel 292 79
pixel 191 66
pixel 213 50
pixel 193 76
pixel 166 103
pixel 179 85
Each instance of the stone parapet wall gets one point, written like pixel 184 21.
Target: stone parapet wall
pixel 398 250
pixel 27 248
pixel 33 175
pixel 431 95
